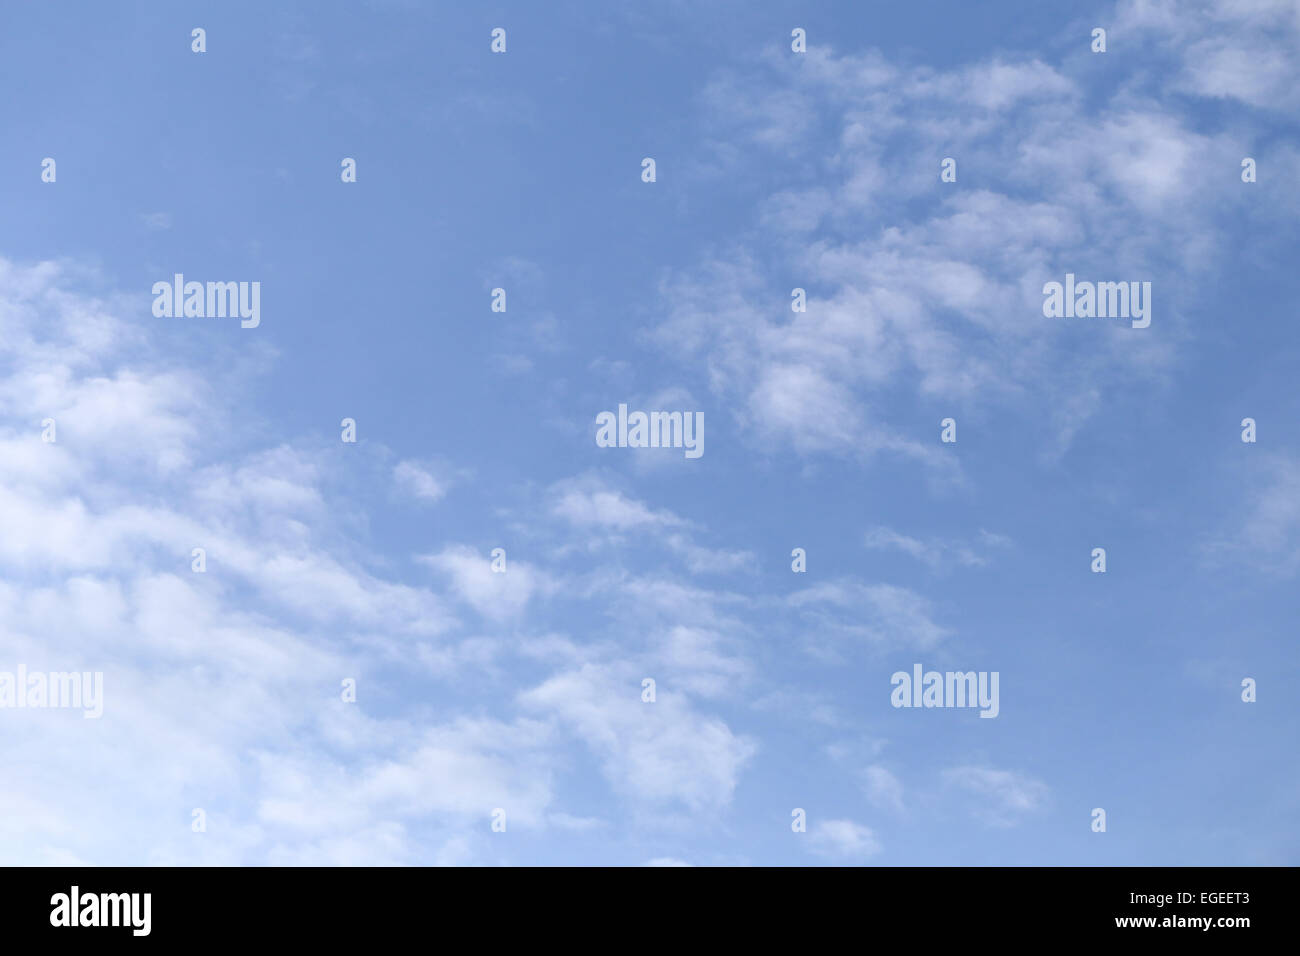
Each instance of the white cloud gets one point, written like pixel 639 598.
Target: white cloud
pixel 1267 533
pixel 937 553
pixel 655 753
pixel 696 660
pixel 1234 49
pixel 884 615
pixel 497 595
pixel 883 788
pixel 596 506
pixel 606 516
pixel 843 840
pixel 946 306
pixel 1003 797
pixel 418 481
pixel 221 690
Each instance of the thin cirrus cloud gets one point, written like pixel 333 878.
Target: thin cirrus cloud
pixel 999 797
pixel 419 481
pixel 843 840
pixel 946 305
pixel 937 553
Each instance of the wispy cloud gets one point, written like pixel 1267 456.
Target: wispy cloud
pixel 1002 797
pixel 843 840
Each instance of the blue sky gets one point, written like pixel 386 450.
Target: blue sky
pixel 522 691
